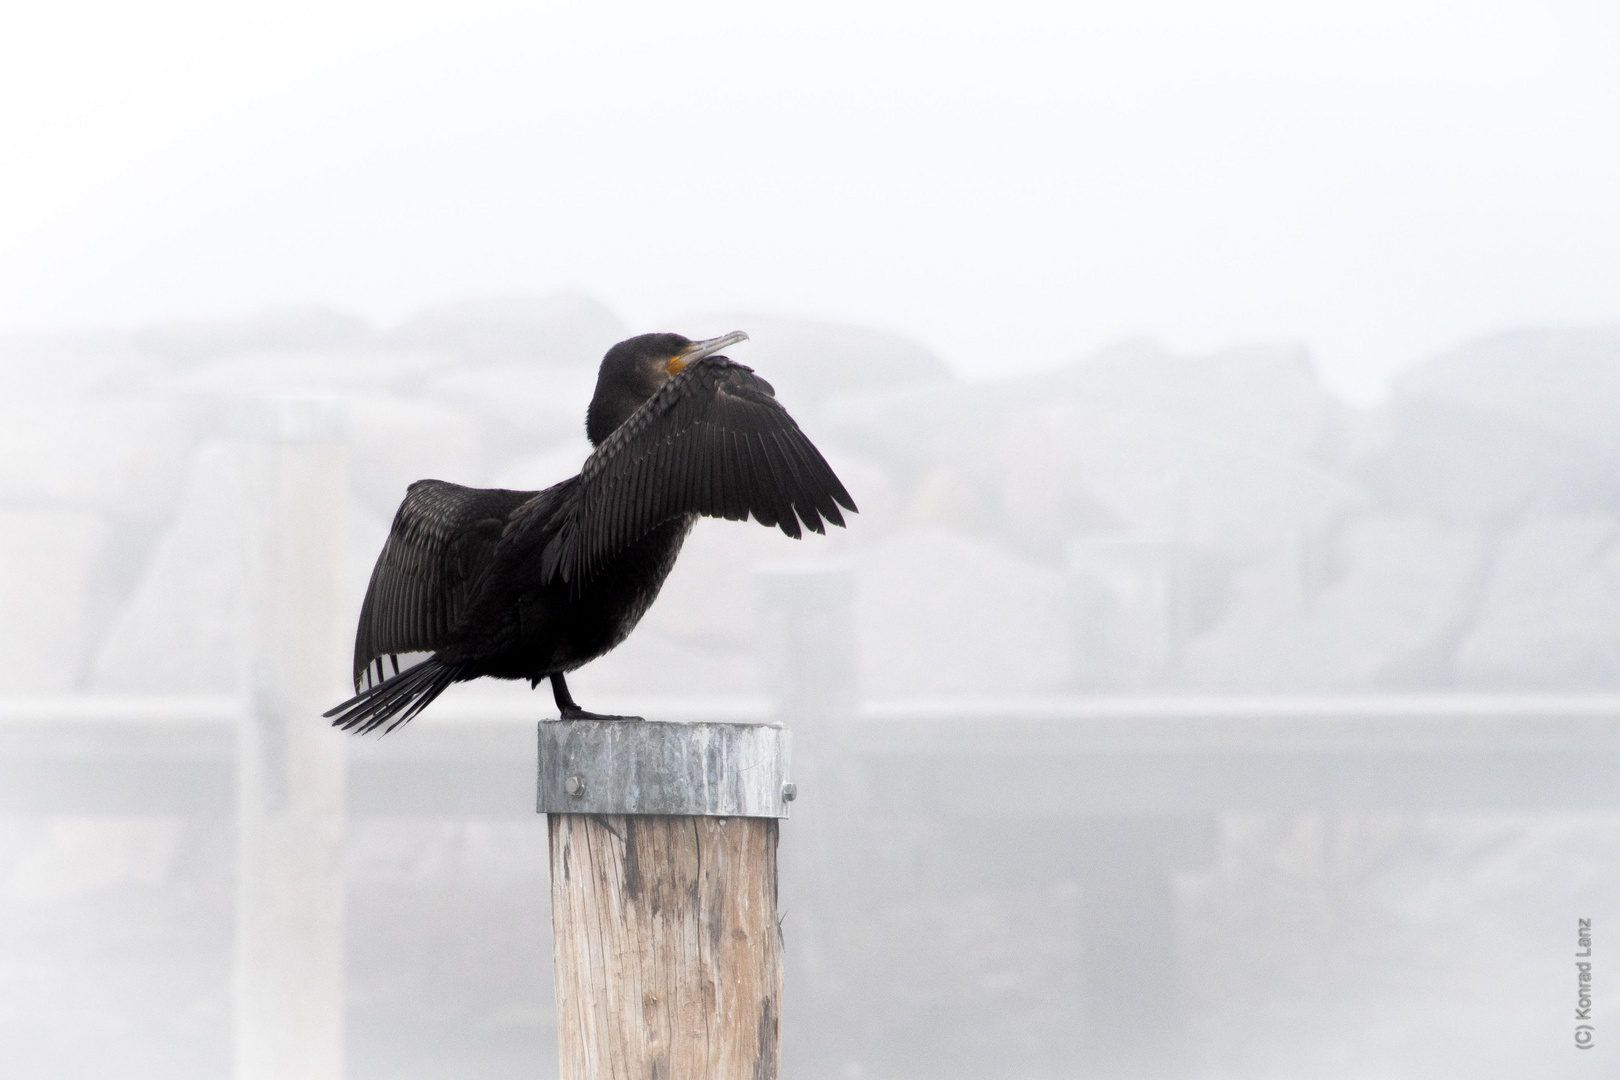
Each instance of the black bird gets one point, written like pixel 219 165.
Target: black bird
pixel 533 584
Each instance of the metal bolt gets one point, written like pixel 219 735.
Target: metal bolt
pixel 790 792
pixel 575 786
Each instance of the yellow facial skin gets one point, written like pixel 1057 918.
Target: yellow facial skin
pixel 697 350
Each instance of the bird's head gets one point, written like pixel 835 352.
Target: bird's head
pixel 634 369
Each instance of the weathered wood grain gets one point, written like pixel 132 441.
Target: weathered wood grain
pixel 668 953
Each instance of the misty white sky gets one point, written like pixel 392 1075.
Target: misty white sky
pixel 1012 184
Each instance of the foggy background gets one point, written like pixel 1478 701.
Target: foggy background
pixel 1249 356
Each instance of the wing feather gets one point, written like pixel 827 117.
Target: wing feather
pixel 442 539
pixel 752 488
pixel 713 487
pixel 805 506
pixel 781 490
pixel 712 441
pixel 729 497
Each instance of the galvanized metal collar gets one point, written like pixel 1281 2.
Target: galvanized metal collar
pixel 651 767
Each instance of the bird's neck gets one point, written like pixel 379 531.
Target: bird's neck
pixel 610 407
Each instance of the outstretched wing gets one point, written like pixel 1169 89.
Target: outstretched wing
pixel 714 441
pixel 442 539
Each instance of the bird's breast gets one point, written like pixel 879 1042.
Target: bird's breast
pixel 562 630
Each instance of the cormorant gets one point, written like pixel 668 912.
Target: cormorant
pixel 533 584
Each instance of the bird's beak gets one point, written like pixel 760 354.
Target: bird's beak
pixel 699 349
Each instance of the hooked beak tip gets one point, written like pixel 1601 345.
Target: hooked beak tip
pixel 700 349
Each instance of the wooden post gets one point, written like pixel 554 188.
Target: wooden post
pixel 289 1001
pixel 663 897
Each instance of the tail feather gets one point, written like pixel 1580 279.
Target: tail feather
pixel 395 700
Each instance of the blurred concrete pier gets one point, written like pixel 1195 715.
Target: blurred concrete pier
pixel 1108 797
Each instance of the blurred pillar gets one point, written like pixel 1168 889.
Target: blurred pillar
pixel 806 634
pixel 1124 601
pixel 1133 1014
pixel 289 1005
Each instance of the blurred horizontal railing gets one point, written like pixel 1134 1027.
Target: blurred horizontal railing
pixel 128 755
pixel 1175 754
pixel 1092 755
pixel 93 755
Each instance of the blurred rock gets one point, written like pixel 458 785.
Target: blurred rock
pixel 254 374
pixel 1550 617
pixel 121 456
pixel 50 566
pixel 1515 425
pixel 396 442
pixel 950 499
pixel 558 330
pixel 940 614
pixel 1265 397
pixel 1396 596
pixel 37 366
pixel 184 628
pixel 530 406
pixel 287 330
pixel 541 471
pixel 1123 596
pixel 1482 472
pixel 1564 382
pixel 1314 546
pixel 1227 450
pixel 808 360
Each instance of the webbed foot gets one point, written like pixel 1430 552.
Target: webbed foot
pixel 570 710
pixel 577 713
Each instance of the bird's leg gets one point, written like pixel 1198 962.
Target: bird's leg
pixel 571 711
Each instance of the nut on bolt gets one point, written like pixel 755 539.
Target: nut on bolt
pixel 790 792
pixel 575 786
